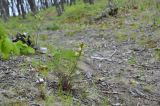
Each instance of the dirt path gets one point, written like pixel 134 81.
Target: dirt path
pixel 124 72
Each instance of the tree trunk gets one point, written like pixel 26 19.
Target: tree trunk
pixel 6 6
pixel 13 10
pixel 4 9
pixel 58 7
pixel 91 1
pixel 72 2
pixel 20 8
pixel 62 4
pixel 33 6
pixel 23 9
pixel 46 4
pixel 52 2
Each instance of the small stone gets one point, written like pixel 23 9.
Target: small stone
pixel 103 83
pixel 116 104
pixel 134 82
pixel 43 50
pixel 100 78
pixel 40 80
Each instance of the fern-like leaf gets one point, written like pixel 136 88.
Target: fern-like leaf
pixel 2 32
pixel 6 47
pixel 24 49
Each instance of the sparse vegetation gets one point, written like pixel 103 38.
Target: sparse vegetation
pixel 53 27
pixel 122 37
pixel 157 54
pixel 118 66
pixel 132 61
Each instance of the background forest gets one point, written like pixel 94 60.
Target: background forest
pixel 22 7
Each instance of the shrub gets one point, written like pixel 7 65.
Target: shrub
pixel 7 47
pixel 54 27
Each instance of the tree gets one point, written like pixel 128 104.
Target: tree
pixel 32 6
pixel 72 2
pixel 59 7
pixel 12 6
pixel 20 8
pixel 46 4
pixel 4 9
pixel 89 1
pixel 62 5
